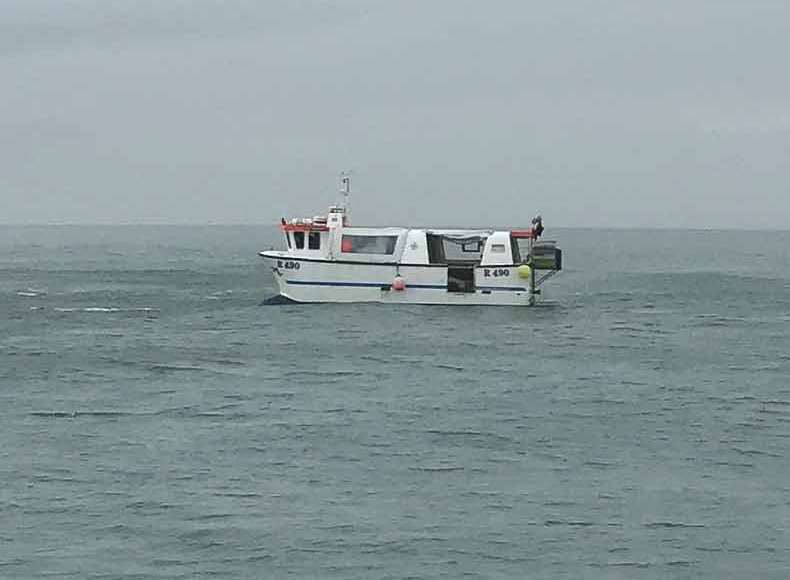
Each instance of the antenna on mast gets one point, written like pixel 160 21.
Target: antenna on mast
pixel 345 188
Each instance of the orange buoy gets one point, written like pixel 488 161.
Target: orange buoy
pixel 346 245
pixel 399 284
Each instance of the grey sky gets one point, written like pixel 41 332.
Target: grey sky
pixel 451 112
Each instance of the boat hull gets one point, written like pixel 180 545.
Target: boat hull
pixel 311 280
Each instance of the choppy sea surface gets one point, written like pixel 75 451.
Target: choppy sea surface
pixel 159 422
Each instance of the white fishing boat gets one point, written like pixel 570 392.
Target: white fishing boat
pixel 328 260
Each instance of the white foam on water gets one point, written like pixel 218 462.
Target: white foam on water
pixel 106 309
pixel 219 294
pixel 31 292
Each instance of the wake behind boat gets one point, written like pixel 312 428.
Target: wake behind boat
pixel 327 260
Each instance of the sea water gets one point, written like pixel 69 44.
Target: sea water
pixel 159 422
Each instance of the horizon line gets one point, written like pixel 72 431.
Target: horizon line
pixel 275 225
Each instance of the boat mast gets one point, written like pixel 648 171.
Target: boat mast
pixel 345 189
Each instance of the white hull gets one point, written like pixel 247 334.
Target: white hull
pixel 308 280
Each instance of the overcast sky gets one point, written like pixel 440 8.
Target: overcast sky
pixel 451 112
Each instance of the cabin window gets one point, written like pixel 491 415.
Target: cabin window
pixel 462 250
pixel 314 241
pixel 450 249
pixel 498 248
pixel 288 240
pixel 369 244
pixel 472 247
pixel 299 240
pixel 435 249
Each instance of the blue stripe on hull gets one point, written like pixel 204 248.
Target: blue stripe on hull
pixel 378 285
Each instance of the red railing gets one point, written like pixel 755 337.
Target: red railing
pixel 523 234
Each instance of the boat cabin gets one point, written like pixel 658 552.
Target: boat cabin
pixel 462 252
